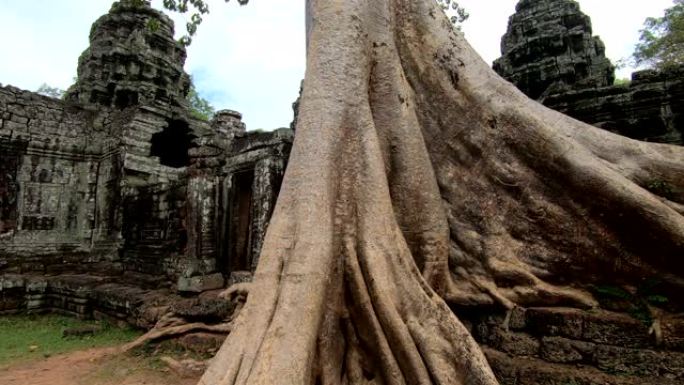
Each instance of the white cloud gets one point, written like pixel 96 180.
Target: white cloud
pixel 251 58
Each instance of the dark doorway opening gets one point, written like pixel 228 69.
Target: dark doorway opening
pixel 172 144
pixel 239 222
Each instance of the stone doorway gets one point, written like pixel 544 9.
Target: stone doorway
pixel 239 221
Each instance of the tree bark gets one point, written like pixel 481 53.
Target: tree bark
pixel 419 177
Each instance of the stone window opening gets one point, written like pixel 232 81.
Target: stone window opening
pixel 125 99
pixel 172 144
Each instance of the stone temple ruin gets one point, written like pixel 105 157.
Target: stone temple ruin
pixel 116 202
pixel 550 54
pixel 119 185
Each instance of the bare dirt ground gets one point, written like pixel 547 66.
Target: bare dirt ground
pixel 102 366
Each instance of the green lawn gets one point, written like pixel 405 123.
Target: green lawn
pixel 26 337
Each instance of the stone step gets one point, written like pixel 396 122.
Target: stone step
pixel 597 326
pixel 531 371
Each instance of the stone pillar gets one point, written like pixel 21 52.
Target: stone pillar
pixel 226 183
pixel 198 271
pixel 268 173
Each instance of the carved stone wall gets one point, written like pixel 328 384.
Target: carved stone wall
pixel 234 182
pixel 549 47
pixel 52 184
pixel 133 59
pixel 549 53
pixel 154 231
pixel 119 178
pixel 10 162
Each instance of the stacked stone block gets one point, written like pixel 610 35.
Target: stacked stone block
pixel 562 346
pixel 549 48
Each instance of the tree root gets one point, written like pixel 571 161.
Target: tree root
pixel 178 328
pixel 171 325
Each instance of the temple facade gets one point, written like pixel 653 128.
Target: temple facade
pixel 119 178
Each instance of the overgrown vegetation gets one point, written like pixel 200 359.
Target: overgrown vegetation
pixel 661 44
pixel 456 13
pixel 200 108
pixel 661 188
pixel 196 8
pixel 634 301
pixel 26 337
pixel 622 82
pixel 52 92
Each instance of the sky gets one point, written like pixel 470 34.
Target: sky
pixel 252 58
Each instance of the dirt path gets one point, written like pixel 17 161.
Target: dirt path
pixel 101 366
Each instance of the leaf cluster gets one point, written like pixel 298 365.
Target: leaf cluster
pixel 52 92
pixel 637 302
pixel 456 13
pixel 661 44
pixel 198 8
pixel 200 108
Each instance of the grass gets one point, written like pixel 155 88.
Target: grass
pixel 27 337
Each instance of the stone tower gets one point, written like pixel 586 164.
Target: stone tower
pixel 549 48
pixel 133 59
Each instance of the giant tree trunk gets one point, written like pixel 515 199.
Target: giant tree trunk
pixel 419 177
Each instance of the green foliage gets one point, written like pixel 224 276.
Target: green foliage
pixel 153 25
pixel 199 107
pixel 661 44
pixel 622 82
pixel 26 337
pixel 635 302
pixel 197 8
pixel 52 92
pixel 612 292
pixel 661 188
pixel 456 13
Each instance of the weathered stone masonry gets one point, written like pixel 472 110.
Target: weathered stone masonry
pixel 58 195
pixel 117 189
pixel 550 54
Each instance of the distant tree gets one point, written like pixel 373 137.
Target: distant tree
pixel 661 43
pixel 622 82
pixel 52 92
pixel 199 107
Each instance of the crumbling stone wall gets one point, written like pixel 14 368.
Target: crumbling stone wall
pixel 10 162
pixel 133 59
pixel 549 53
pixel 549 48
pixel 154 231
pixel 51 160
pixel 649 108
pixel 119 178
pixel 234 180
pixel 562 346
